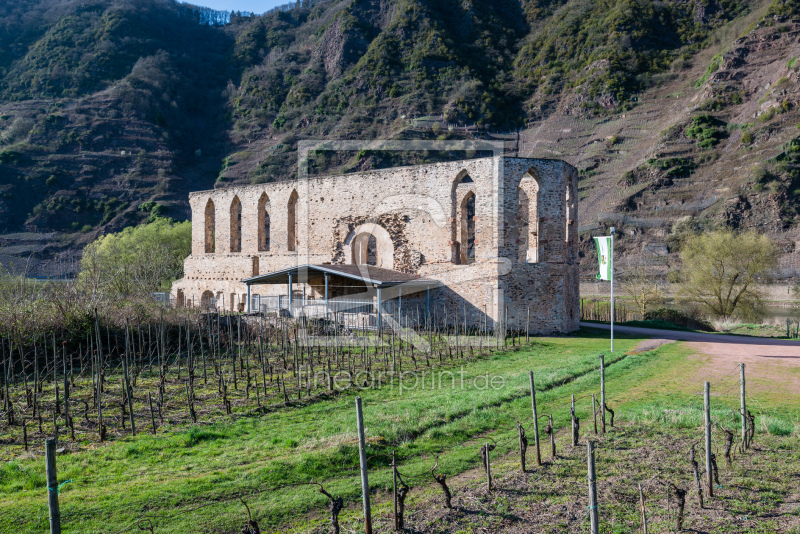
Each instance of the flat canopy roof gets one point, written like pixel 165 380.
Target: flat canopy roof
pixel 366 274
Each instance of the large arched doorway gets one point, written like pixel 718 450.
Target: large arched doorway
pixel 207 300
pixel 371 244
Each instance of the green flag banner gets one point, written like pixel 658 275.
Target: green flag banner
pixel 603 257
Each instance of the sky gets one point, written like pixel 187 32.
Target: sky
pixel 253 6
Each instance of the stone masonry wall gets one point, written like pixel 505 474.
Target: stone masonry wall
pixel 417 216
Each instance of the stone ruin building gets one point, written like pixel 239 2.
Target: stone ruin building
pixel 493 240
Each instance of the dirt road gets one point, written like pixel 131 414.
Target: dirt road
pixel 771 364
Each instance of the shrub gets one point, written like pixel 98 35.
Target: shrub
pixel 138 259
pixel 761 175
pixel 747 138
pixel 705 129
pixel 674 167
pixel 767 115
pixel 679 318
pixel 10 156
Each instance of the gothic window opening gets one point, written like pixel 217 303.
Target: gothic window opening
pixel 529 231
pixel 461 249
pixel 468 229
pixel 291 226
pixel 236 225
pixel 210 241
pixel 263 223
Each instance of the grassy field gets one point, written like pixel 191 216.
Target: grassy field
pixel 189 478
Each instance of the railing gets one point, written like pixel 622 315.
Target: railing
pixel 350 313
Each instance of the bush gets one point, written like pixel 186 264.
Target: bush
pixel 137 260
pixel 767 115
pixel 679 318
pixel 674 167
pixel 705 129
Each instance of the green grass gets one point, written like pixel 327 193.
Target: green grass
pixel 188 478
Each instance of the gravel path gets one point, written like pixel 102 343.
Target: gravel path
pixel 777 361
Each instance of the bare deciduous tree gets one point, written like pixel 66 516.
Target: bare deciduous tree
pixel 643 289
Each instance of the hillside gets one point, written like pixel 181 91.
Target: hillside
pixel 111 111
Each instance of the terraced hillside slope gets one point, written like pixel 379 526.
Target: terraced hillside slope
pixel 112 111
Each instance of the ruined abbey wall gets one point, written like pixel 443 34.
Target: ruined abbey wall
pixel 498 233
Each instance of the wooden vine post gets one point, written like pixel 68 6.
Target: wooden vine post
pixel 488 466
pixel 128 380
pixel 593 513
pixel 100 429
pixel 644 513
pixel 362 450
pixel 602 394
pixel 744 407
pixel 152 412
pixel 394 489
pixel 535 423
pixel 52 486
pixel 709 472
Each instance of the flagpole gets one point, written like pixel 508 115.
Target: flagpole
pixel 611 265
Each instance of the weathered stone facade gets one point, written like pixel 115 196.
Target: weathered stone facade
pixel 498 233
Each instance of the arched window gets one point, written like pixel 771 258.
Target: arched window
pixel 291 223
pixel 529 235
pixel 571 216
pixel 210 241
pixel 463 187
pixel 467 224
pixel 207 300
pixel 236 225
pixel 263 223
